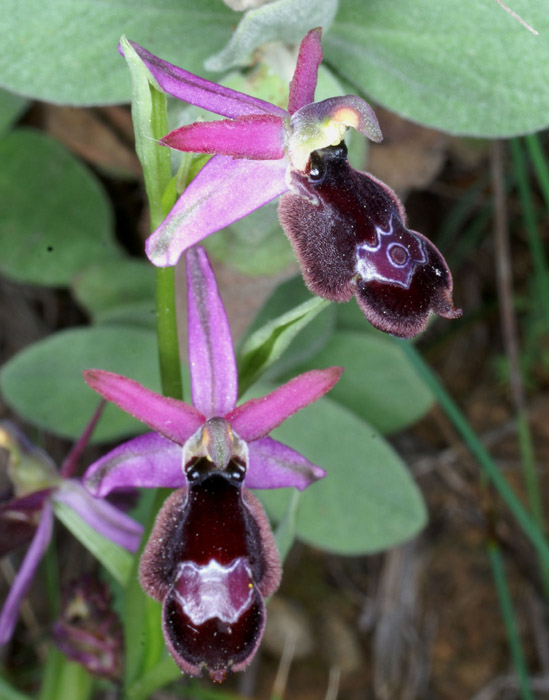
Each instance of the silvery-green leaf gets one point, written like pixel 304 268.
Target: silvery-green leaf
pixel 66 52
pixel 463 67
pixel 283 20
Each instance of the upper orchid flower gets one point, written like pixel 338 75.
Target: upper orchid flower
pixel 211 558
pixel 360 244
pixel 28 516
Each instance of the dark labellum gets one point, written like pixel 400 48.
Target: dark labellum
pixel 211 559
pixel 348 231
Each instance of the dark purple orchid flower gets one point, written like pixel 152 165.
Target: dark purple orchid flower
pixel 28 516
pixel 348 231
pixel 358 243
pixel 211 558
pixel 88 630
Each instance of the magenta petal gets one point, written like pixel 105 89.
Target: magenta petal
pixel 173 419
pixel 203 93
pixel 147 461
pixel 273 465
pixel 303 85
pixel 23 580
pixel 254 136
pixel 224 191
pixel 257 417
pixel 100 515
pixel 211 355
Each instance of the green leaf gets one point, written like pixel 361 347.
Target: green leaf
pixel 54 216
pixel 7 692
pixel 62 51
pixel 44 383
pixel 307 341
pixel 284 20
pixel 142 616
pixel 264 346
pixel 114 558
pixel 350 318
pixel 254 245
pixel 159 676
pixel 117 290
pixel 150 120
pixel 285 532
pixel 367 502
pixel 11 108
pixel 462 67
pixel 379 383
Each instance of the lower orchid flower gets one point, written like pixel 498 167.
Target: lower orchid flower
pixel 348 231
pixel 28 517
pixel 88 630
pixel 211 558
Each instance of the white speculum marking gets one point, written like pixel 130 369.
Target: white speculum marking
pixel 389 260
pixel 214 590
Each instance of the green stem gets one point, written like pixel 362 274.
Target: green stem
pixel 157 171
pixel 537 156
pixel 150 121
pixel 157 179
pixel 510 333
pixel 506 605
pixel 158 677
pixel 51 576
pixel 537 251
pixel 285 532
pixel 166 330
pixel 65 679
pixel 7 692
pixel 143 638
pixel 529 469
pixel 480 453
pixel 142 624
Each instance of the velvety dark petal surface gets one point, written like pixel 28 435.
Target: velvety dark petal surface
pixel 215 646
pixel 404 311
pixel 211 558
pixel 349 234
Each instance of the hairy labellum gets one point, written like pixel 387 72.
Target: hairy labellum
pixel 211 560
pixel 348 231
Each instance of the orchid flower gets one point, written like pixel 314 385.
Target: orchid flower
pixel 88 629
pixel 28 516
pixel 211 558
pixel 347 228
